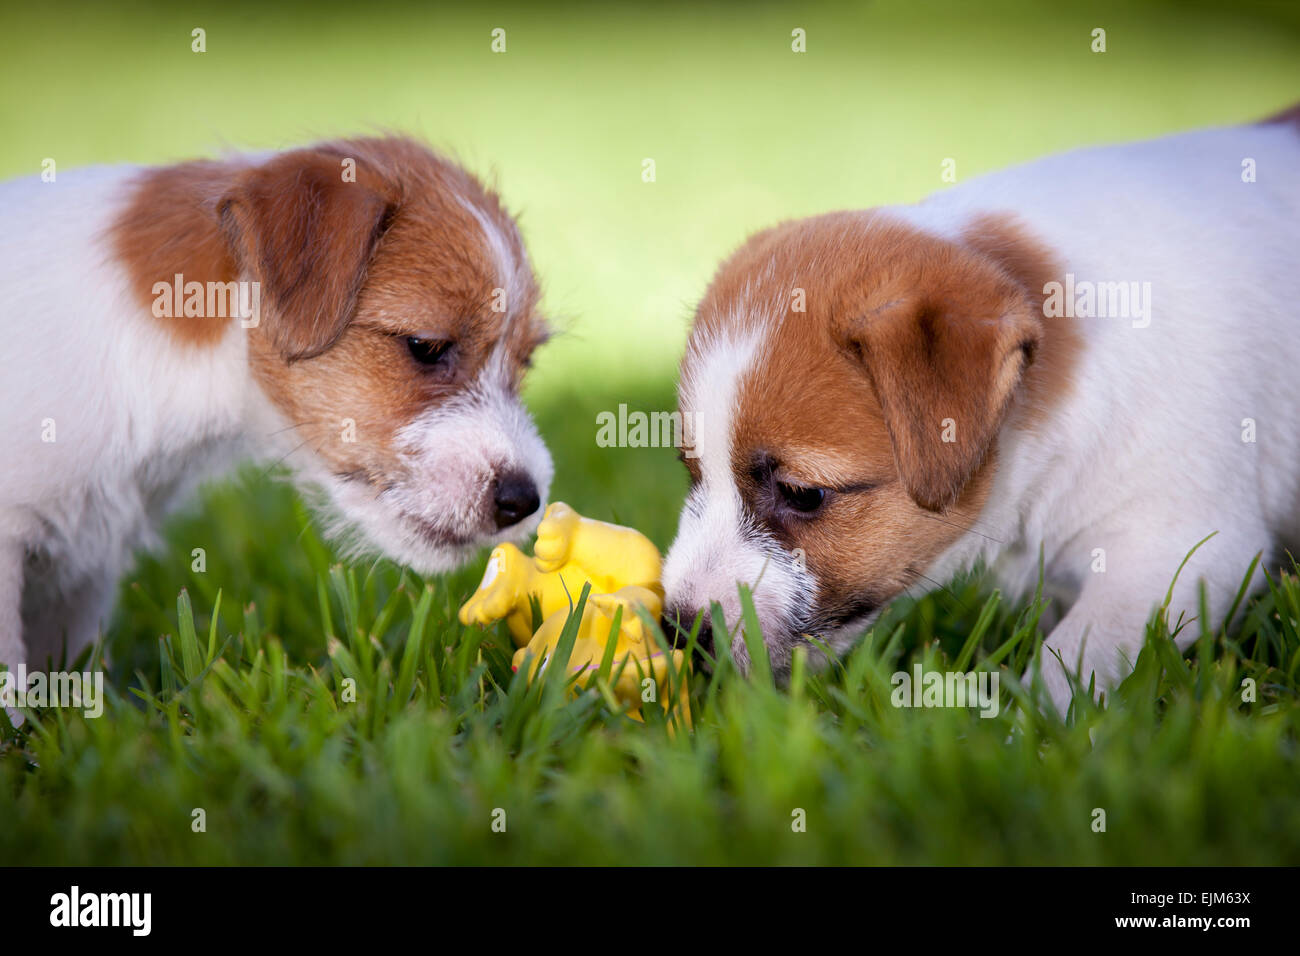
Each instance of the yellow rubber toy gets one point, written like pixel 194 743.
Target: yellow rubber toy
pixel 623 567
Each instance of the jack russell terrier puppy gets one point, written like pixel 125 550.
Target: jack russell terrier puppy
pixel 1094 355
pixel 362 310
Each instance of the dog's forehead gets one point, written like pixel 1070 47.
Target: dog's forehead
pixel 771 351
pixel 450 249
pixel 502 251
pixel 458 255
pixel 713 375
pixel 781 389
pixel 837 267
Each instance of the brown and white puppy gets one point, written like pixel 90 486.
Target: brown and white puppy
pixel 1071 356
pixel 361 310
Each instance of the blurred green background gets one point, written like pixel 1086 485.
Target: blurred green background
pixel 743 131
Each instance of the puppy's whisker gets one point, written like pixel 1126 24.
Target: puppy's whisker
pixel 292 425
pixel 281 460
pixel 953 524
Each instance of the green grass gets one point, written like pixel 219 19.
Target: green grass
pixel 246 719
pixel 743 131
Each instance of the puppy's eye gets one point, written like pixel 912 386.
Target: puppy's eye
pixel 801 499
pixel 427 351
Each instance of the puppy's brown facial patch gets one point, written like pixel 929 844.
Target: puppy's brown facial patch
pixel 392 285
pixel 448 269
pixel 358 247
pixel 869 539
pixel 863 435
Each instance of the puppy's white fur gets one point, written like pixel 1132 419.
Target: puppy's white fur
pixel 1147 455
pixel 110 422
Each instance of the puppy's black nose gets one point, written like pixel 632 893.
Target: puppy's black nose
pixel 677 624
pixel 515 498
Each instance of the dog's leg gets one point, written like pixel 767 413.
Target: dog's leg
pixel 13 652
pixel 1103 632
pixel 1098 638
pixel 60 624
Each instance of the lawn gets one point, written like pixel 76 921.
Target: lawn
pixel 226 686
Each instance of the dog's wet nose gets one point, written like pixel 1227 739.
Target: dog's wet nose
pixel 515 498
pixel 676 624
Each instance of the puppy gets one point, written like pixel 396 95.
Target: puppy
pixel 1093 355
pixel 362 311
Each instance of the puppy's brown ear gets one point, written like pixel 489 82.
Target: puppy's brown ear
pixel 944 369
pixel 307 236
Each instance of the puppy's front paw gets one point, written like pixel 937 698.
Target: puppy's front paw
pixel 555 537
